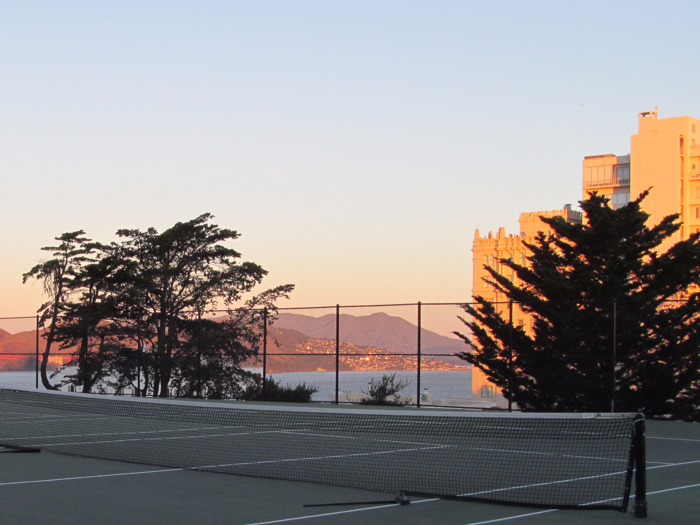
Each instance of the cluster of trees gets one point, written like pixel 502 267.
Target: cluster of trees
pixel 135 311
pixel 614 323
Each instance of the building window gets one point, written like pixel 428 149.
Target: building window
pixel 697 216
pixel 622 174
pixel 487 391
pixel 619 199
pixel 486 260
pixel 522 255
pixel 598 176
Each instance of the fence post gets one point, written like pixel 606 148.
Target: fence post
pixel 139 364
pixel 510 358
pixel 36 361
pixel 337 351
pixel 264 352
pixel 614 354
pixel 418 393
pixel 199 355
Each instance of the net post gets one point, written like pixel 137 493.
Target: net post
pixel 36 361
pixel 418 358
pixel 640 470
pixel 337 351
pixel 264 352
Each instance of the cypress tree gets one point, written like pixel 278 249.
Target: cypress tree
pixel 613 323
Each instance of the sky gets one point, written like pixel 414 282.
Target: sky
pixel 354 145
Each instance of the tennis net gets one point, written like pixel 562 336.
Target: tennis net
pixel 544 460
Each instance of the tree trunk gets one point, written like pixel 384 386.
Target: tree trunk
pixel 45 357
pixel 83 371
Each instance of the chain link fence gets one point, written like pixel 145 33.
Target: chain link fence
pixel 341 351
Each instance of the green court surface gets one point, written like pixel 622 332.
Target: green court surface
pixel 50 488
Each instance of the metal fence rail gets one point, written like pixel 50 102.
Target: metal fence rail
pixel 342 348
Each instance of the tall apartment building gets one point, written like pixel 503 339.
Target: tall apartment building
pixel 664 157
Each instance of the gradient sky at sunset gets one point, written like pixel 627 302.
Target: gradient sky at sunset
pixel 355 145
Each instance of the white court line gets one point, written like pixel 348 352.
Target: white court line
pixel 497 520
pixel 674 439
pixel 674 488
pixel 513 451
pixel 91 477
pixel 514 517
pixel 122 433
pixel 676 464
pixel 338 512
pixel 323 515
pixel 412 443
pixel 545 483
pixel 577 479
pixel 155 439
pixel 284 520
pixel 300 433
pixel 556 510
pixel 49 419
pixel 315 458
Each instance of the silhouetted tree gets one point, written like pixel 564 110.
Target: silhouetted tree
pixel 613 321
pixel 174 277
pixel 57 275
pixel 135 311
pixel 88 315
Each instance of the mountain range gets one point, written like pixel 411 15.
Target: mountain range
pixel 298 335
pixel 378 330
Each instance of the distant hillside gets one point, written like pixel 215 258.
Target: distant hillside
pixel 21 343
pixel 289 350
pixel 17 351
pixel 378 330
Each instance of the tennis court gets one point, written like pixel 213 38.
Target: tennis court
pixel 340 450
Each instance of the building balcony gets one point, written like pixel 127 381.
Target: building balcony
pixel 611 182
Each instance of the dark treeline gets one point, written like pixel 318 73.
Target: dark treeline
pixel 614 322
pixel 134 311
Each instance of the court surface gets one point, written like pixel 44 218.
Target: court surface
pixel 54 488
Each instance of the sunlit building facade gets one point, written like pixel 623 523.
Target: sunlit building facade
pixel 664 158
pixel 489 249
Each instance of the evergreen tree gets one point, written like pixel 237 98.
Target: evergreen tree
pixel 88 315
pixel 174 277
pixel 57 275
pixel 614 324
pixel 134 311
